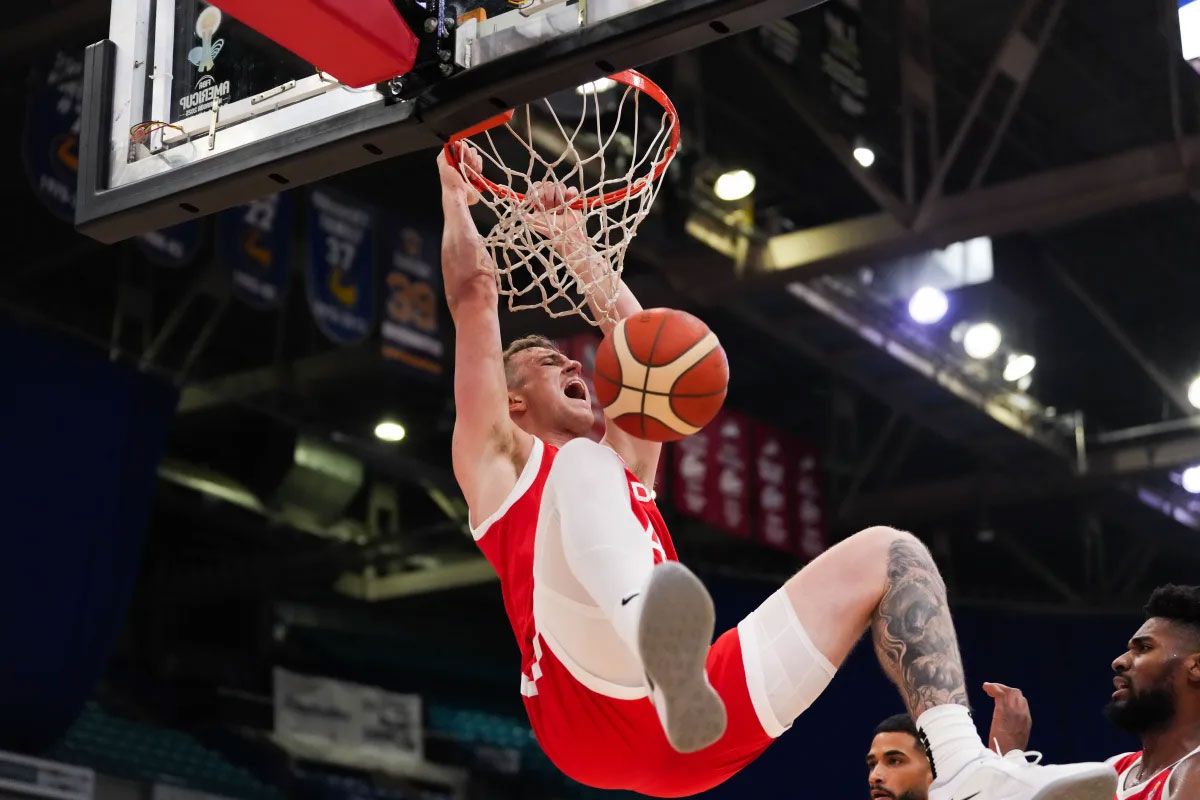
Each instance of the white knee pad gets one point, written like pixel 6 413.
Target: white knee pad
pixel 785 672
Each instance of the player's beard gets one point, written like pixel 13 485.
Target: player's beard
pixel 1145 710
pixel 912 794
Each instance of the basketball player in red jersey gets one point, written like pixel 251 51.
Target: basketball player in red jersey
pixel 1157 698
pixel 621 679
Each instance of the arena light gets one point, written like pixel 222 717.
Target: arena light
pixel 863 153
pixel 982 340
pixel 595 87
pixel 1019 366
pixel 928 305
pixel 389 431
pixel 734 185
pixel 1194 392
pixel 1191 479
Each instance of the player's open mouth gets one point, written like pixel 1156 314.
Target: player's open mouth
pixel 1121 684
pixel 576 390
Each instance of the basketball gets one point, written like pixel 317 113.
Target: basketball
pixel 661 375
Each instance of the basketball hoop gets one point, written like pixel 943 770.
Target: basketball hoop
pixel 566 216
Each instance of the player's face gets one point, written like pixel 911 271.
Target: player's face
pixel 897 768
pixel 1150 675
pixel 550 393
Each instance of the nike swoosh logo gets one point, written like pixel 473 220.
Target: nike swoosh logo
pixel 968 797
pixel 625 600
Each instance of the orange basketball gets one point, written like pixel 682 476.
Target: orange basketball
pixel 661 375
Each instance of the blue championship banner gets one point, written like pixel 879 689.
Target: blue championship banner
pixel 52 133
pixel 175 247
pixel 255 242
pixel 411 334
pixel 341 279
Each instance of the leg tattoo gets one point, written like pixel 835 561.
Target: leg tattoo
pixel 913 634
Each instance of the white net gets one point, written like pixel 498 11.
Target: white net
pixel 568 197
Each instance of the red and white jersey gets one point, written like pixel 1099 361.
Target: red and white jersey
pixel 1156 787
pixel 597 739
pixel 507 541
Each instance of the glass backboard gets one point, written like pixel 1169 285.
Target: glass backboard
pixel 188 110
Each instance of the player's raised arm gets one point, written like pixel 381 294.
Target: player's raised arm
pixel 488 449
pixel 609 300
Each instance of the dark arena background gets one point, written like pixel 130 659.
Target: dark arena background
pixel 961 296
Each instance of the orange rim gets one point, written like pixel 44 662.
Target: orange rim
pixel 627 77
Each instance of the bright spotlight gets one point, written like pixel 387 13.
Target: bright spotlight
pixel 1194 392
pixel 734 185
pixel 1019 365
pixel 864 155
pixel 1191 479
pixel 595 87
pixel 928 305
pixel 982 340
pixel 389 431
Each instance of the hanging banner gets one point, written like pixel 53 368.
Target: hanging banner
pixel 774 499
pixel 842 59
pixel 811 519
pixel 692 462
pixel 255 242
pixel 731 477
pixel 51 141
pixel 712 474
pixel 173 247
pixel 411 332
pixel 340 267
pixel 333 716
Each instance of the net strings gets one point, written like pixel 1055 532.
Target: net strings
pixel 552 258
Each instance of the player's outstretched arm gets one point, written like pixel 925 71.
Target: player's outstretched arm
pixel 488 449
pixel 608 298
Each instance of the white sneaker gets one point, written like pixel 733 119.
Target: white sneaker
pixel 675 631
pixel 1014 777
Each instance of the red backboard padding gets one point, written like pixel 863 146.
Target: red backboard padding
pixel 359 42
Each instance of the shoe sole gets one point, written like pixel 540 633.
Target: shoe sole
pixel 1099 785
pixel 674 634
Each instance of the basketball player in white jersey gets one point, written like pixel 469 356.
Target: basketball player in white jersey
pixel 623 683
pixel 1157 698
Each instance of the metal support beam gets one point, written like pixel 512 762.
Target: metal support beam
pixel 918 97
pixel 1135 568
pixel 1015 59
pixel 210 285
pixel 240 386
pixel 1172 389
pixel 1024 64
pixel 1039 570
pixel 1108 467
pixel 868 463
pixel 823 295
pixel 367 586
pixel 1042 201
pixel 785 88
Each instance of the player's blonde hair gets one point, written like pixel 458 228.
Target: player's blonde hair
pixel 516 346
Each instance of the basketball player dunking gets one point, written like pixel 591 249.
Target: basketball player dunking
pixel 623 684
pixel 1157 698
